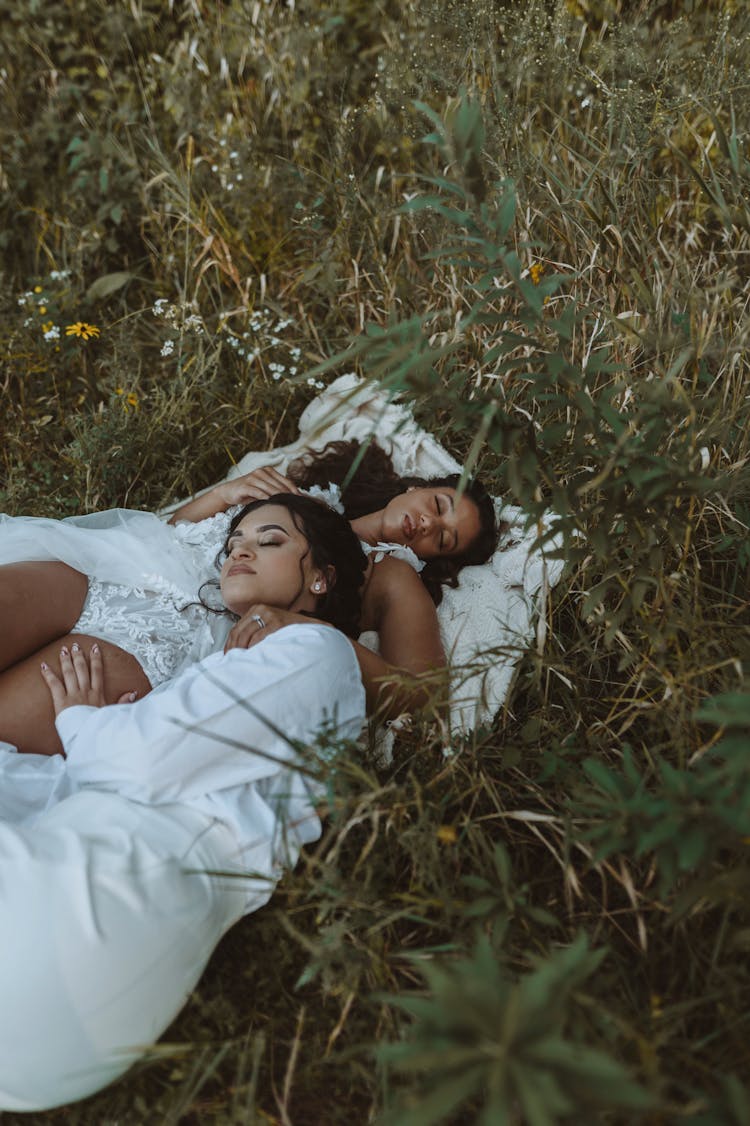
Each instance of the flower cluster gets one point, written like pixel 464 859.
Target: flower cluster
pixel 263 337
pixel 83 330
pixel 225 166
pixel 43 305
pixel 179 319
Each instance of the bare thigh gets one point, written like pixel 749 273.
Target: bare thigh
pixel 38 603
pixel 26 716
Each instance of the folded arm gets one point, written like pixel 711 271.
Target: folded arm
pixel 228 721
pixel 258 485
pixel 409 672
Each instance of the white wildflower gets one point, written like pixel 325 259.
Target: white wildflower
pixel 167 348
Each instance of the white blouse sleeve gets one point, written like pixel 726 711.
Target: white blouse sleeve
pixel 233 719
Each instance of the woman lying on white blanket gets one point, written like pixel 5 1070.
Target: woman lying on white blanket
pixel 171 817
pixel 128 580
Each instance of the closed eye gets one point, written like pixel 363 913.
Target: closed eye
pixel 439 511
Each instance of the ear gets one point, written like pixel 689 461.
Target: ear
pixel 323 581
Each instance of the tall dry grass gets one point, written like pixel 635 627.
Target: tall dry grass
pixel 550 924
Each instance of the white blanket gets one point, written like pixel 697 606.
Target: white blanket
pixel 488 621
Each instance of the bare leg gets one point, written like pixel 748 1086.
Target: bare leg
pixel 26 716
pixel 38 603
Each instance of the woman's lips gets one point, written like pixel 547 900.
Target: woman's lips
pixel 407 526
pixel 238 569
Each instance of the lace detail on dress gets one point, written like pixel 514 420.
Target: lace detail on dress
pixel 396 551
pixel 205 538
pixel 157 628
pixel 330 495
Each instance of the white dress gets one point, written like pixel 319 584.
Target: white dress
pixel 169 820
pixel 144 576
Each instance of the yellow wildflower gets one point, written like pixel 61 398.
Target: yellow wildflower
pixel 446 834
pixel 37 289
pixel 132 399
pixel 47 326
pixel 80 328
pixel 535 272
pixel 42 309
pixel 119 391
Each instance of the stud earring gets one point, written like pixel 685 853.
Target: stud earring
pixel 316 587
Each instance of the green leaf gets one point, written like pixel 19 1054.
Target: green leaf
pixel 442 1099
pixel 731 709
pixel 108 284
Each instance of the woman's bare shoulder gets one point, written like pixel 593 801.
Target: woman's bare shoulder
pixel 395 575
pixel 394 586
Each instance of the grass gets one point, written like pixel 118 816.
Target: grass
pixel 552 924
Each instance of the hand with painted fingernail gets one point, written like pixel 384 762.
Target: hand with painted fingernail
pixel 81 680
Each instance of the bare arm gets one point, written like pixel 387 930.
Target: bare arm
pixel 258 485
pixel 405 674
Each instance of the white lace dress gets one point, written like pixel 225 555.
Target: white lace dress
pixel 144 576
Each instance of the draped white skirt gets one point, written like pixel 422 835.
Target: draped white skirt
pixel 109 912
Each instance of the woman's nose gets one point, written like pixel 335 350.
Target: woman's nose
pixel 241 551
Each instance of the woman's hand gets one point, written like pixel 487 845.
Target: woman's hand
pixel 260 621
pixel 258 485
pixel 81 681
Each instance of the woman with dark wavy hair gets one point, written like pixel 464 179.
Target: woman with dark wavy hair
pixel 128 580
pixel 419 533
pixel 125 862
pixel 325 543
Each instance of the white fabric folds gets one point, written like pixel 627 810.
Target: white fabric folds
pixel 122 866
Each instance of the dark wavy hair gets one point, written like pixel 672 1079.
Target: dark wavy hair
pixel 335 550
pixel 374 482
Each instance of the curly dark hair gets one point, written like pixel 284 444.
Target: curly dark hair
pixel 335 550
pixel 372 481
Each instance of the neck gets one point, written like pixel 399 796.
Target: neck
pixel 369 527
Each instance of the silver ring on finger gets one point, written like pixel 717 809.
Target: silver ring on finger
pixel 257 618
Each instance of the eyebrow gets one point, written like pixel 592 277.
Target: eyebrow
pixel 261 528
pixel 272 528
